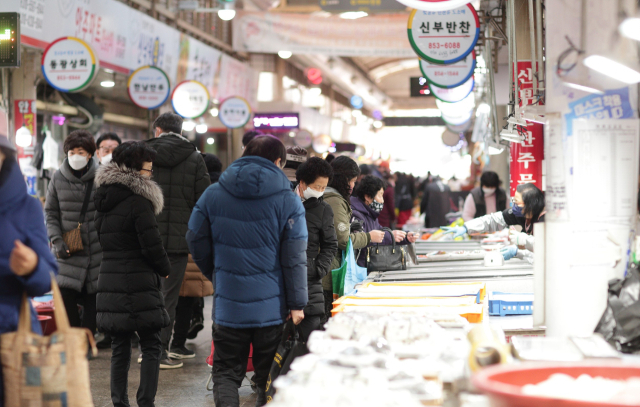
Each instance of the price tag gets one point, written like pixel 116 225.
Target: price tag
pixel 69 64
pixel 234 112
pixel 449 76
pixel 444 37
pixel 453 95
pixel 190 99
pixel 149 87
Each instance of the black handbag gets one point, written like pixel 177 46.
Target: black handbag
pixel 289 348
pixel 386 257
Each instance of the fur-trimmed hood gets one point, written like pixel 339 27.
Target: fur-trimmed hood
pixel 113 173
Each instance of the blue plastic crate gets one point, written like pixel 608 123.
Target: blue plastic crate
pixel 503 304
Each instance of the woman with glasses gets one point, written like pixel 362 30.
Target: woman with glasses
pixel 528 208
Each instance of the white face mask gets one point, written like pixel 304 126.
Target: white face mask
pixel 106 159
pixel 77 161
pixel 312 193
pixel 488 191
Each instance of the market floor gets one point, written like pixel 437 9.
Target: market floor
pixel 176 388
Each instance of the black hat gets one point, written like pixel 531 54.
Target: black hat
pixel 4 143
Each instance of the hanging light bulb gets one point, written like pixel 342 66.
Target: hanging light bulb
pixel 188 125
pixel 202 128
pixel 23 137
pixel 227 12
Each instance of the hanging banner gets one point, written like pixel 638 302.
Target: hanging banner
pixel 239 80
pixel 69 64
pixel 449 76
pixel 444 37
pixel 148 87
pixel 190 99
pixel 197 61
pixel 434 5
pixel 24 113
pixel 526 158
pixel 453 95
pixel 234 112
pixel 368 6
pixel 380 36
pixel 614 104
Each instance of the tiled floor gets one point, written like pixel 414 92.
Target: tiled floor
pixel 176 388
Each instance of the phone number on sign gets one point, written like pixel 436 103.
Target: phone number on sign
pixel 447 45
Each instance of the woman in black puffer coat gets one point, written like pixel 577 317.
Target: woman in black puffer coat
pixel 313 176
pixel 129 287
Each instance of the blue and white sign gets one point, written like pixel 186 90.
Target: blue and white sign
pixel 614 104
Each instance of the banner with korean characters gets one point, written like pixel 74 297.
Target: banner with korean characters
pixel 449 76
pixel 453 95
pixel 149 87
pixel 69 64
pixel 614 104
pixel 24 114
pixel 444 37
pixel 237 79
pixel 526 158
pixel 190 99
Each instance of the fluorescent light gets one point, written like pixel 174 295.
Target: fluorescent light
pixel 226 15
pixel 214 112
pixel 107 84
pixel 353 15
pixel 285 54
pixel 211 140
pixel 377 124
pixel 202 128
pixel 630 28
pixel 188 125
pixel 612 69
pixel 23 137
pixel 582 85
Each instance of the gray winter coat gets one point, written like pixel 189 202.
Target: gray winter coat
pixel 64 203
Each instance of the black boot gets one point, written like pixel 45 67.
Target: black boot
pixel 261 400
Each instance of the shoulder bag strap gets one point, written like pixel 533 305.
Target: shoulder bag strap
pixel 85 204
pixel 393 239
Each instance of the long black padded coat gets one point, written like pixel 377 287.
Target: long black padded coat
pixel 321 249
pixel 134 260
pixel 182 174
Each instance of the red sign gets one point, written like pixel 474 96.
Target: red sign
pixel 525 161
pixel 25 114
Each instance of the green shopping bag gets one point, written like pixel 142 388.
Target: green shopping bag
pixel 349 274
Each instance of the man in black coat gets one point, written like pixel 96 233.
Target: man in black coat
pixel 436 203
pixel 182 174
pixel 313 177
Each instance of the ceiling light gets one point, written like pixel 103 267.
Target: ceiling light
pixel 188 125
pixel 292 134
pixel 630 28
pixel 613 69
pixel 353 15
pixel 315 92
pixel 356 113
pixel 582 85
pixel 23 137
pixel 377 124
pixel 214 112
pixel 202 128
pixel 226 15
pixel 285 54
pixel 107 84
pixel 211 140
pixel 484 108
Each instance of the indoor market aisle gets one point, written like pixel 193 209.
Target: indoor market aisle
pixel 176 388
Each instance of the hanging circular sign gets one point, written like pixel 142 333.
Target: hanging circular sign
pixel 303 138
pixel 434 5
pixel 69 64
pixel 149 87
pixel 462 108
pixel 459 128
pixel 322 143
pixel 449 76
pixel 457 120
pixel 453 95
pixel 444 37
pixel 234 112
pixel 450 138
pixel 190 99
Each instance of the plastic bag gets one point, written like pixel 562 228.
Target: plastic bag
pixel 620 323
pixel 348 274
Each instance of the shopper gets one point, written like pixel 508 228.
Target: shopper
pixel 250 135
pixel 295 156
pixel 345 174
pixel 134 263
pixel 214 166
pixel 487 198
pixel 436 203
pixel 387 217
pixel 106 143
pixel 367 202
pixel 182 174
pixel 313 176
pixel 248 235
pixel 25 261
pixel 528 208
pixel 405 194
pixel 70 205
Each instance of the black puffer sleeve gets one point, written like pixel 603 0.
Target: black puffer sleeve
pixel 149 236
pixel 328 243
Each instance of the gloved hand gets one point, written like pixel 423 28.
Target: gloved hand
pixel 458 231
pixel 518 239
pixel 509 252
pixel 61 249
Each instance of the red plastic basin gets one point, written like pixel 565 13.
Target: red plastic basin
pixel 503 383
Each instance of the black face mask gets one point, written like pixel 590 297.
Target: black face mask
pixel 376 206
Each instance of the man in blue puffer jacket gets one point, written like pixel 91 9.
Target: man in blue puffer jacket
pixel 248 235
